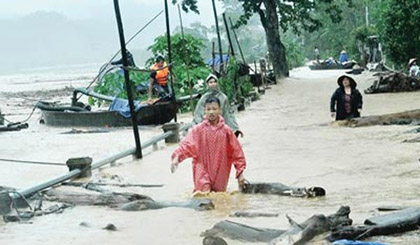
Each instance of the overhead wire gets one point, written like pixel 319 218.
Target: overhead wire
pixel 32 162
pixel 115 55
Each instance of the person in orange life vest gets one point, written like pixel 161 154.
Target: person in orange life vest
pixel 159 78
pixel 214 148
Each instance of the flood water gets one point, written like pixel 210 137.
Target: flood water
pixel 287 139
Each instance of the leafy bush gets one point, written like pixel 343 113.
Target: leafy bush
pixel 235 87
pixel 401 30
pixel 184 52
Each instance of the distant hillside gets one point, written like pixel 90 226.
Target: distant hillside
pixel 48 38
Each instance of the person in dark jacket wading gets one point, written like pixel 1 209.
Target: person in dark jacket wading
pixel 346 101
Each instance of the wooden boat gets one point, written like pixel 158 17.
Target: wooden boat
pixel 79 116
pixel 59 115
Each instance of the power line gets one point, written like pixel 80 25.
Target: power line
pixel 33 162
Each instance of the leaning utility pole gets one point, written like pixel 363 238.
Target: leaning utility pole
pixel 168 36
pixel 221 69
pixel 237 41
pixel 228 35
pixel 128 85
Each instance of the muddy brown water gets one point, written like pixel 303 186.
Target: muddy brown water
pixel 287 139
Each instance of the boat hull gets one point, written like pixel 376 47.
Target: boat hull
pixel 149 115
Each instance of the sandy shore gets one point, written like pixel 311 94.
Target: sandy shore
pixel 286 140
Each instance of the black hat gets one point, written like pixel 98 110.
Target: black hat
pixel 411 61
pixel 353 83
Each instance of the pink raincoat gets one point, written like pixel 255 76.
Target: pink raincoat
pixel 214 149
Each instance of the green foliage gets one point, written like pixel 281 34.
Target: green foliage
pixel 184 50
pixel 401 30
pixel 227 83
pixel 185 55
pixel 350 34
pixel 294 53
pixel 235 87
pixel 296 15
pixel 113 84
pixel 187 5
pixel 362 33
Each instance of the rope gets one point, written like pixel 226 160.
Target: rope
pixel 33 162
pixel 15 123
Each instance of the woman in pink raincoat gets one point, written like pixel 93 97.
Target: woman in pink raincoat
pixel 214 148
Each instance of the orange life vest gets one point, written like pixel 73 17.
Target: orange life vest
pixel 161 75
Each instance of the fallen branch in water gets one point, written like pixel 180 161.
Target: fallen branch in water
pixel 124 201
pixel 112 184
pixel 299 233
pixel 400 118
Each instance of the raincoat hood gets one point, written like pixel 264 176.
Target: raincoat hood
pixel 215 89
pixel 220 124
pixel 210 77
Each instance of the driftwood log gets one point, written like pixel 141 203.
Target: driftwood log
pixel 401 221
pixel 413 140
pixel 300 233
pixel 26 215
pixel 399 118
pixel 91 185
pixel 253 214
pixel 393 82
pixel 314 226
pixel 125 201
pixel 282 190
pixel 241 232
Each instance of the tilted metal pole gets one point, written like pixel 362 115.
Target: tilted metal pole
pixel 168 36
pixel 228 35
pixel 127 80
pixel 76 172
pixel 237 41
pixel 221 69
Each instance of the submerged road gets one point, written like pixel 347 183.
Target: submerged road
pixel 286 140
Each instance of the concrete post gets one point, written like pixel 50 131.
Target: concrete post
pixel 174 127
pixel 82 163
pixel 1 118
pixel 5 202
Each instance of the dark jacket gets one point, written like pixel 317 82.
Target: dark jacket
pixel 338 101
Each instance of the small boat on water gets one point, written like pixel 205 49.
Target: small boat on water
pixel 79 115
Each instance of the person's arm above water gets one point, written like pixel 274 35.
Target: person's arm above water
pixel 333 104
pixel 237 155
pixel 186 149
pixel 151 81
pixel 359 101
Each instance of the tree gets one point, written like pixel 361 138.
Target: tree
pixel 185 51
pixel 253 45
pixel 401 31
pixel 275 14
pixel 350 34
